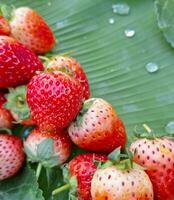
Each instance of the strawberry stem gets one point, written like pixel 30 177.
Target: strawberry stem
pixel 147 128
pixel 44 58
pixel 68 53
pixel 38 170
pixel 61 189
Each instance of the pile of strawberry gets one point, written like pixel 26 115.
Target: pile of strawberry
pixel 54 98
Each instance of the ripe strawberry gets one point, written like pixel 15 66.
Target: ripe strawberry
pixel 54 100
pixel 157 157
pixel 2 99
pixel 30 29
pixel 4 26
pixel 17 63
pixel 72 67
pixel 17 104
pixel 52 153
pixel 6 118
pixel 97 127
pixel 83 167
pixel 11 155
pixel 112 183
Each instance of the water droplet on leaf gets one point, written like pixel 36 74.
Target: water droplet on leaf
pixel 121 8
pixel 111 21
pixel 170 127
pixel 129 33
pixel 49 3
pixel 152 67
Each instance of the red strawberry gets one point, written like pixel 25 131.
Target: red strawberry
pixel 4 26
pixel 83 167
pixel 54 100
pixel 113 183
pixel 97 127
pixel 72 67
pixel 11 155
pixel 30 28
pixel 156 155
pixel 17 63
pixel 2 99
pixel 61 146
pixel 6 118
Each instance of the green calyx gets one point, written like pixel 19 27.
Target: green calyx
pixel 71 184
pixel 86 105
pixel 44 154
pixel 17 104
pixel 6 11
pixel 147 133
pixel 116 158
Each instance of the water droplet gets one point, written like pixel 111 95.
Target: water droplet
pixel 129 33
pixel 121 8
pixel 170 127
pixel 49 3
pixel 111 21
pixel 152 67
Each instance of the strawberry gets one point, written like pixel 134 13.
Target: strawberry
pixel 97 127
pixel 2 99
pixel 30 29
pixel 17 104
pixel 48 148
pixel 17 63
pixel 72 67
pixel 156 155
pixel 83 167
pixel 11 155
pixel 54 100
pixel 4 26
pixel 6 118
pixel 121 180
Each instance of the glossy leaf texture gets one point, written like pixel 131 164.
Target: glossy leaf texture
pixel 116 65
pixel 24 186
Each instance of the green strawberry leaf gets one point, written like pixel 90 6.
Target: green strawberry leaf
pixel 165 17
pixel 45 149
pixel 23 186
pixel 115 155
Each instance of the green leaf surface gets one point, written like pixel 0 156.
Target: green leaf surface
pixel 165 16
pixel 21 187
pixel 114 63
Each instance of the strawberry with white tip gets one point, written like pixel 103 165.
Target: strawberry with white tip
pixel 156 155
pixel 11 155
pixel 49 149
pixel 120 180
pixel 97 127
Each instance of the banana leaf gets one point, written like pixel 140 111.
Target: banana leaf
pixel 115 64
